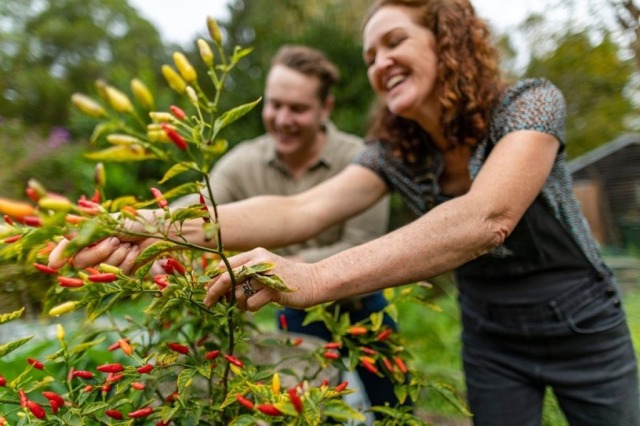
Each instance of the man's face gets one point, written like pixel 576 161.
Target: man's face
pixel 293 113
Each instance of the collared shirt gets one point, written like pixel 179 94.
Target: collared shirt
pixel 253 168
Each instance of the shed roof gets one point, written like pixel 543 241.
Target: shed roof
pixel 603 151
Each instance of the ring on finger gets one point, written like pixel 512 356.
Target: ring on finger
pixel 247 289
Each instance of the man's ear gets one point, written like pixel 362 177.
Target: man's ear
pixel 328 107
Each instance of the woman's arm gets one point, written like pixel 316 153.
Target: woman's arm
pixel 278 221
pixel 448 236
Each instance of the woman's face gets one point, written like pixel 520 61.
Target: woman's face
pixel 402 62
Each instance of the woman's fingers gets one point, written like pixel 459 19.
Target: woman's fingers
pixel 129 261
pixel 56 260
pixel 118 255
pixel 97 254
pixel 261 298
pixel 219 287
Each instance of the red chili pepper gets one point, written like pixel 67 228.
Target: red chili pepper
pixel 70 282
pixel 283 322
pixel 93 271
pixel 295 399
pixel 159 279
pixel 112 378
pixel 31 193
pixel 83 374
pixel 331 355
pixel 145 369
pixel 36 410
pixel 369 366
pixel 32 221
pixel 383 335
pixel 96 197
pixel 325 382
pixel 54 407
pixel 369 351
pixel 87 388
pixel 162 202
pixel 296 342
pixel 205 218
pixel 176 347
pixel 143 412
pixel 36 364
pixel 12 239
pixel 161 423
pixel 175 137
pixel 212 355
pixel 177 112
pixel 3 381
pixel 400 363
pixel 105 388
pixel 114 414
pixel 269 410
pixel 52 396
pixel 137 386
pixel 233 360
pixel 45 269
pixel 171 398
pixel 70 373
pixel 333 345
pixel 342 386
pixel 23 398
pixel 8 220
pixel 388 364
pixel 103 278
pixel 177 266
pixel 110 368
pixel 244 401
pixel 202 340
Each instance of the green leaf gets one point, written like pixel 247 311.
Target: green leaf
pixel 275 282
pixel 205 370
pixel 376 320
pixel 239 53
pixel 92 408
pixel 232 115
pixel 82 348
pixel 13 345
pixel 184 377
pixel 155 250
pixel 314 316
pixel 178 169
pixel 143 270
pixel 192 212
pixel 449 393
pixel 339 410
pixel 102 129
pixel 120 202
pixel 401 392
pixel 4 318
pixel 121 153
pixel 392 311
pixel 243 420
pixel 430 305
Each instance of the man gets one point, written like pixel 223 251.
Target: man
pixel 301 149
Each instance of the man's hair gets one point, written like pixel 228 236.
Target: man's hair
pixel 309 62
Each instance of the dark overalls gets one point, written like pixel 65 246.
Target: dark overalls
pixel 536 313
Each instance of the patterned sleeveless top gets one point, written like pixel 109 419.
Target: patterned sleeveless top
pixel 530 104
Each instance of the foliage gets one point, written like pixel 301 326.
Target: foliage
pixel 182 361
pixel 593 79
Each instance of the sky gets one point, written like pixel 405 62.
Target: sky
pixel 179 21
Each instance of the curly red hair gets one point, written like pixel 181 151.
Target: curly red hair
pixel 468 75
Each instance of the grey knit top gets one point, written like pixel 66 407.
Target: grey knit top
pixel 531 104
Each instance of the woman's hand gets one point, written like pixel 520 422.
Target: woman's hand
pixel 300 277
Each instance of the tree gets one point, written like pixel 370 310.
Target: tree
pixel 54 48
pixel 593 79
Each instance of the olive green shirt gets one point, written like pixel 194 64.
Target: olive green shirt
pixel 253 168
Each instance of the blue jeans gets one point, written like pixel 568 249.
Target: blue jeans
pixel 379 389
pixel 578 344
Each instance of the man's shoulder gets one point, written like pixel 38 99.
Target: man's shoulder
pixel 345 144
pixel 249 151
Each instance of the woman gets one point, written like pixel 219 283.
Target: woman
pixel 484 167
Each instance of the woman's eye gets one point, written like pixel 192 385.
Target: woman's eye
pixel 396 41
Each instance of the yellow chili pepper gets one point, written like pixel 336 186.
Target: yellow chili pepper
pixel 184 66
pixel 88 105
pixel 55 204
pixel 193 97
pixel 175 81
pixel 118 100
pixel 37 186
pixel 161 117
pixel 205 52
pixel 142 94
pixel 118 139
pixel 158 136
pixel 15 208
pixel 60 332
pixel 214 30
pixel 236 370
pixel 99 175
pixel 275 384
pixel 63 309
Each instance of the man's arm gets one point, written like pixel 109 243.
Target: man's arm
pixel 359 230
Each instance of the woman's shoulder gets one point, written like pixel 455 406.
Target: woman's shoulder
pixel 530 90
